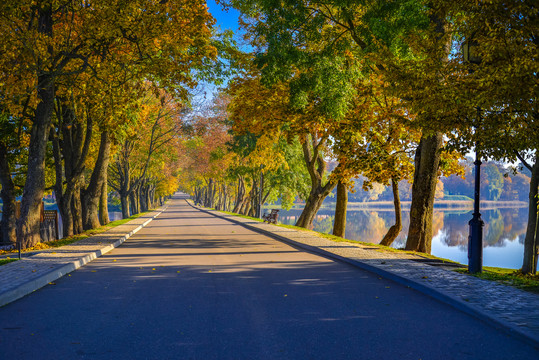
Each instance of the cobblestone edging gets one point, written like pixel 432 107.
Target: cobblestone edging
pixel 22 277
pixel 514 310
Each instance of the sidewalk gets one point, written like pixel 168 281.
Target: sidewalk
pixel 22 277
pixel 514 310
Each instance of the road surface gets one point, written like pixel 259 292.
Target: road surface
pixel 192 286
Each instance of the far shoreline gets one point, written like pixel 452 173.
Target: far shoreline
pixel 438 205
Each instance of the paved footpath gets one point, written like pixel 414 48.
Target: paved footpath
pixel 193 284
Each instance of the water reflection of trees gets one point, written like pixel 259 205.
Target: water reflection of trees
pixel 500 226
pixel 450 226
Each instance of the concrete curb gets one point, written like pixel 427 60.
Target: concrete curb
pixel 35 284
pixel 450 300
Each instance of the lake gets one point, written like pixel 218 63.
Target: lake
pixel 503 234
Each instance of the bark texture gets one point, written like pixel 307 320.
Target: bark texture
pixel 427 160
pixel 394 230
pixel 8 224
pixel 92 194
pixel 103 202
pixel 339 226
pixel 70 147
pixel 28 223
pixel 531 244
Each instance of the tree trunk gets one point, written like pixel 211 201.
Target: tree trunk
pixel 246 205
pixel 427 160
pixel 536 244
pixel 339 226
pixel 141 195
pixel 103 203
pixel 134 202
pixel 312 153
pixel 8 225
pixel 28 222
pixel 124 200
pixel 64 207
pixel 239 197
pixel 529 265
pixel 210 194
pixel 76 208
pixel 151 196
pixel 394 230
pixel 312 205
pixel 92 194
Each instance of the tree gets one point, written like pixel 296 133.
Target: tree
pixel 156 122
pixel 307 35
pixel 378 144
pixel 45 42
pixel 496 96
pixel 267 110
pixel 8 153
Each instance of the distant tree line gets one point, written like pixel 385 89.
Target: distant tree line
pixel 498 183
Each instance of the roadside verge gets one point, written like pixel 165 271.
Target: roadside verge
pixel 20 278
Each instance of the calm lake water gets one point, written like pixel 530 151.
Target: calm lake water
pixel 503 234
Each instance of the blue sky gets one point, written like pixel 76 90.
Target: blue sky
pixel 226 19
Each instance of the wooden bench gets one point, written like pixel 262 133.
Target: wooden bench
pixel 271 218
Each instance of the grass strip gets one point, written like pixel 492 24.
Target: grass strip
pixel 7 261
pixel 71 239
pixel 509 277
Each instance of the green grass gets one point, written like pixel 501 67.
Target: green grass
pixel 71 239
pixel 7 261
pixel 242 216
pixel 88 233
pixel 509 277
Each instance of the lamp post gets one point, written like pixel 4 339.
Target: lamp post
pixel 260 197
pixel 475 239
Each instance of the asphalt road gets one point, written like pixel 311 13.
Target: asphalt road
pixel 192 286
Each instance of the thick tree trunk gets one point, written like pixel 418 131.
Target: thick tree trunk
pixel 339 226
pixel 124 200
pixel 531 243
pixel 394 230
pixel 103 204
pixel 28 222
pixel 134 202
pixel 245 205
pixel 312 205
pixel 536 243
pixel 141 196
pixel 64 207
pixel 8 225
pixel 239 197
pixel 427 160
pixel 92 194
pixel 210 194
pixel 76 208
